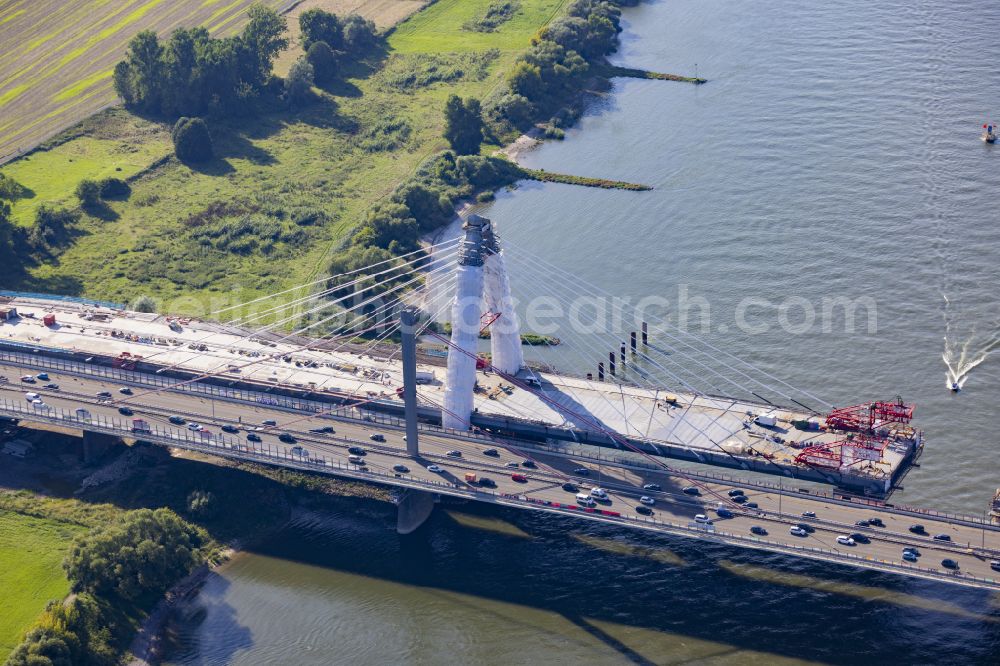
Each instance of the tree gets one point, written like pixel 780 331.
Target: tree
pixel 299 82
pixel 10 189
pixel 181 93
pixel 192 140
pixel 140 79
pixel 263 40
pixel 145 551
pixel 318 25
pixel 51 227
pixel 526 81
pixel 360 35
pixel 463 125
pixel 202 503
pixel 323 61
pixel 430 208
pixel 89 193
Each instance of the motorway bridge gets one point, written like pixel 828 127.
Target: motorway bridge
pixel 973 543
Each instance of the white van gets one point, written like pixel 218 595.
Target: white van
pixel 31 396
pixel 599 493
pixel 585 500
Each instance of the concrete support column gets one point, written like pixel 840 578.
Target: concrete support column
pixel 413 509
pixel 408 319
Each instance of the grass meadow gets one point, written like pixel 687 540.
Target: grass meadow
pixel 31 574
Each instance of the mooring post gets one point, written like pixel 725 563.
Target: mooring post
pixel 600 372
pixel 645 334
pixel 611 363
pixel 634 346
pixel 408 323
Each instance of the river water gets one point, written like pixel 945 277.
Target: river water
pixel 834 154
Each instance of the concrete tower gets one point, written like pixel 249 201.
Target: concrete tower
pixel 505 332
pixel 465 324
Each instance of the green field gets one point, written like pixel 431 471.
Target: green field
pixel 330 158
pixel 31 574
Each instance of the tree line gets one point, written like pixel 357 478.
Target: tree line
pixel 195 74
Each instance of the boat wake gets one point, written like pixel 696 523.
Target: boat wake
pixel 960 358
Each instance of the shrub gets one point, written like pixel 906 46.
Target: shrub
pixel 144 304
pixel 10 189
pixel 323 61
pixel 202 503
pixel 51 227
pixel 299 83
pixel 192 140
pixel 89 193
pixel 360 35
pixel 114 187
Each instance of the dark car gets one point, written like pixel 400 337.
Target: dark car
pixel 949 564
pixel 253 437
pixel 104 394
pixel 231 429
pixel 644 510
pixel 752 505
pixel 739 499
pixel 581 471
pixel 691 490
pixel 402 469
pixel 125 411
pixel 325 430
pixel 862 523
pixel 723 512
pixel 655 487
pixel 528 463
pixel 52 387
pixel 877 522
pixel 942 537
pixel 176 420
pixel 758 530
pixel 44 376
pixel 286 438
pixel 918 529
pixel 735 492
pixel 125 390
pixel 487 482
pixel 377 437
pixel 860 538
pixel 454 453
pixel 269 422
pixel 570 487
pixel 492 453
pixel 356 451
pixel 805 526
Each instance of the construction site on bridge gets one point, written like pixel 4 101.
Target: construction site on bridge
pixel 864 449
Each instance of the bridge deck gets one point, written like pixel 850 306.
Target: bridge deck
pixel 973 543
pixel 712 425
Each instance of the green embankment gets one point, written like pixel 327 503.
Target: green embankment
pixel 331 158
pixel 604 183
pixel 31 573
pixel 632 73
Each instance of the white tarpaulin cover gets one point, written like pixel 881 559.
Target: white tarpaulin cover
pixel 505 332
pixel 465 322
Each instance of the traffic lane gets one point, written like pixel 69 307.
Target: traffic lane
pixel 679 513
pixel 235 412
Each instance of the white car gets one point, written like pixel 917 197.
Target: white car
pixel 795 530
pixel 39 404
pixel 648 501
pixel 845 540
pixel 599 493
pixel 31 397
pixel 196 427
pixel 701 518
pixel 437 469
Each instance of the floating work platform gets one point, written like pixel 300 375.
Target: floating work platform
pixel 866 458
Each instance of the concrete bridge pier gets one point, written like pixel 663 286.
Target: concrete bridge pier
pixel 96 444
pixel 413 508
